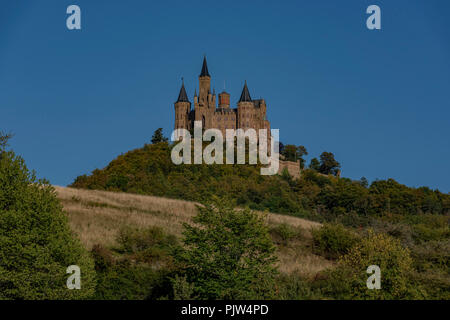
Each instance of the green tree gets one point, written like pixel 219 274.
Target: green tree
pixel 4 137
pixel 301 151
pixel 294 153
pixel 328 165
pixel 229 253
pixel 364 182
pixel 36 244
pixel 314 164
pixel 158 136
pixel 290 152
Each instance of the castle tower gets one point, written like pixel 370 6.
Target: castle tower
pixel 205 85
pixel 205 103
pixel 245 109
pixel 224 100
pixel 182 109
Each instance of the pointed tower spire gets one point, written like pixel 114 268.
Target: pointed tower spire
pixel 182 97
pixel 245 95
pixel 204 72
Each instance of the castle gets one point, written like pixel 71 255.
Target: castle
pixel 248 114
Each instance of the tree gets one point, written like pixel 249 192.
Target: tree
pixel 4 137
pixel 229 253
pixel 301 151
pixel 290 152
pixel 363 182
pixel 328 165
pixel 314 164
pixel 158 136
pixel 36 243
pixel 294 153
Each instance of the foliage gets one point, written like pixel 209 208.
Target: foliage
pixel 328 165
pixel 295 287
pixel 294 153
pixel 4 138
pixel 333 240
pixel 158 136
pixel 348 280
pixel 229 253
pixel 182 289
pixel 417 217
pixel 284 233
pixel 146 245
pixel 314 164
pixel 36 243
pixel 149 170
pixel 140 267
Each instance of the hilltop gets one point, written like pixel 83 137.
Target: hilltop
pixel 150 171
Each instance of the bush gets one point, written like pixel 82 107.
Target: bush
pixel 425 233
pixel 142 269
pixel 333 240
pixel 146 245
pixel 348 280
pixel 283 233
pixel 294 287
pixel 36 243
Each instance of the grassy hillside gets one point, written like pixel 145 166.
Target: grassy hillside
pixel 97 217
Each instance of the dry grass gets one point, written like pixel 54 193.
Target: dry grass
pixel 97 216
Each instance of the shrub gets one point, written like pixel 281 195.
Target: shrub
pixel 425 233
pixel 333 240
pixel 294 287
pixel 141 271
pixel 283 233
pixel 348 280
pixel 36 243
pixel 137 240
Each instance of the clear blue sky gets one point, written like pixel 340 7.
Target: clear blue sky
pixel 379 100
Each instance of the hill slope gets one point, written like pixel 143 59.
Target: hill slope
pixel 149 170
pixel 97 216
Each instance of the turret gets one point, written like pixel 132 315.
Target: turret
pixel 205 84
pixel 182 109
pixel 245 108
pixel 224 100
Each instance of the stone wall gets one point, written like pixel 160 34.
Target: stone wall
pixel 292 167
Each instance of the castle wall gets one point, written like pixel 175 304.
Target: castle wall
pixel 292 167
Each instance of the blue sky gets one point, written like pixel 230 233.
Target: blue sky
pixel 379 100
